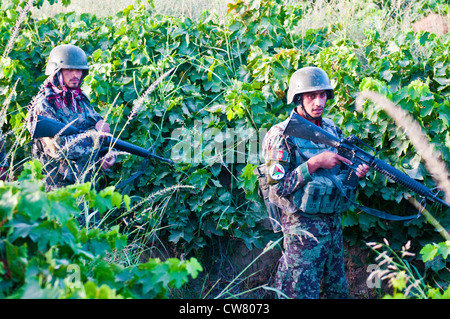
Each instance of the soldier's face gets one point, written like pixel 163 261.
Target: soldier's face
pixel 72 77
pixel 314 102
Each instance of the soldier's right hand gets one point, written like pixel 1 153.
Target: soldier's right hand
pixel 326 160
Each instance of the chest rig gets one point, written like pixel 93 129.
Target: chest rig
pixel 320 195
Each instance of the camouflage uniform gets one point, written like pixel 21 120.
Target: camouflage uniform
pixel 66 159
pixel 313 249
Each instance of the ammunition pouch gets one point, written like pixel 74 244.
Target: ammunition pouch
pixel 321 195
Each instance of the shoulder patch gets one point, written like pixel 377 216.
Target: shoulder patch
pixel 279 155
pixel 276 171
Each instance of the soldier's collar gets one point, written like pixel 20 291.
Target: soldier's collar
pixel 318 121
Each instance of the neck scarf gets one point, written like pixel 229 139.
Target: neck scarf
pixel 62 95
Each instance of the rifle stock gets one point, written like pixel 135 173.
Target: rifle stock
pixel 302 128
pixel 46 127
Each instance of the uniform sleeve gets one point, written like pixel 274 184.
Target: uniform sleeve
pixel 283 175
pixel 70 147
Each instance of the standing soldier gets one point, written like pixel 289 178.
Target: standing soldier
pixel 68 159
pixel 310 203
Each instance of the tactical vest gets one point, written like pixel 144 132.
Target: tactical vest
pixel 320 195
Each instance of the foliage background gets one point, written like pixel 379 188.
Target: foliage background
pixel 231 72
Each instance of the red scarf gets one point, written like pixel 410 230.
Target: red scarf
pixel 62 95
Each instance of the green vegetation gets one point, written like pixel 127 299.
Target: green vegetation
pixel 231 75
pixel 45 254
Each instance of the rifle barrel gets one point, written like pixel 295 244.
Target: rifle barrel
pixel 399 177
pixel 121 145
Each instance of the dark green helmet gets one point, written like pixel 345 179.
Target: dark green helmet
pixel 66 56
pixel 309 79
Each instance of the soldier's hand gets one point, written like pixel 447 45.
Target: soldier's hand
pixel 362 170
pixel 326 160
pixel 108 161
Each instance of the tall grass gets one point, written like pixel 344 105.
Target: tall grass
pixel 15 31
pixel 183 8
pixel 23 13
pixel 432 159
pixel 398 271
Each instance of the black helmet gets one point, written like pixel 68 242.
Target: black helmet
pixel 309 79
pixel 67 56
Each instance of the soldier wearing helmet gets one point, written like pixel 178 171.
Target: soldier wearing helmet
pixel 73 158
pixel 310 205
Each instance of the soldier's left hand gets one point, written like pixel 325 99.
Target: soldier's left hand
pixel 362 170
pixel 108 161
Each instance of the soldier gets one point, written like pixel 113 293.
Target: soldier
pixel 68 159
pixel 309 201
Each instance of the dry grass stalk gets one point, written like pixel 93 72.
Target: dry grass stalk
pixel 144 96
pixel 433 221
pixel 6 104
pixel 15 31
pixel 435 166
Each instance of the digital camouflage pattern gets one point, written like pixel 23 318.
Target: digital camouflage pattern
pixel 313 255
pixel 66 159
pixel 313 249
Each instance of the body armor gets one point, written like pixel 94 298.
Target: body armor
pixel 320 193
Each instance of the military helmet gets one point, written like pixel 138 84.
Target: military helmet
pixel 67 56
pixel 309 79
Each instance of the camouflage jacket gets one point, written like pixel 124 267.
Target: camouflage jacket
pixel 285 158
pixel 66 159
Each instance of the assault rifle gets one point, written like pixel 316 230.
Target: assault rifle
pixel 302 128
pixel 46 127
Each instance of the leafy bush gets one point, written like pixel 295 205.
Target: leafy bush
pixel 405 278
pixel 45 254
